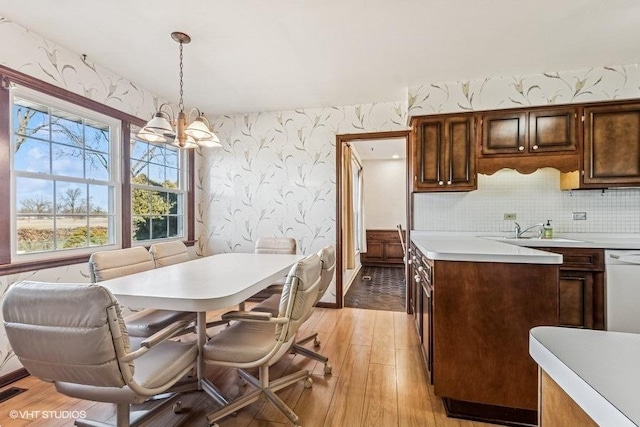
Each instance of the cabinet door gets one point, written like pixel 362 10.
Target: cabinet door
pixel 393 253
pixel 428 154
pixel 427 343
pixel 375 252
pixel 553 130
pixel 460 153
pixel 504 133
pixel 443 153
pixel 576 299
pixel 612 145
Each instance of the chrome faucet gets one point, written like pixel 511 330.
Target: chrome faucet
pixel 518 231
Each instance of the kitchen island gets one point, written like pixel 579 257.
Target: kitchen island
pixel 479 300
pixel 588 378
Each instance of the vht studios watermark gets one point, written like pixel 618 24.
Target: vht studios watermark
pixel 46 415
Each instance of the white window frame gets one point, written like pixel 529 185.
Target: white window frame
pixel 182 190
pixel 115 228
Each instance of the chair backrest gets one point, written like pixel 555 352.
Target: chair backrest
pixel 328 258
pixel 105 265
pixel 402 235
pixel 275 245
pixel 62 332
pixel 168 253
pixel 299 294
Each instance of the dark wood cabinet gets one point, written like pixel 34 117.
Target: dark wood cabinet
pixel 611 145
pixel 581 287
pixel 529 139
pixel 443 153
pixel 383 248
pixel 533 131
pixel 504 133
pixel 482 314
pixel 422 277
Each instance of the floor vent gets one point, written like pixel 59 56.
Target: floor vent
pixel 10 392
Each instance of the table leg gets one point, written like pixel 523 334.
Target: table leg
pixel 201 331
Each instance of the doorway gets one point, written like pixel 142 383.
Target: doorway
pixel 367 169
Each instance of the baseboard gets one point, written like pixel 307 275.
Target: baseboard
pixel 14 376
pixel 513 417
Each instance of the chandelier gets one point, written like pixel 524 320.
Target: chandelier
pixel 167 127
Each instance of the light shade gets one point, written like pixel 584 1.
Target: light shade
pixel 160 125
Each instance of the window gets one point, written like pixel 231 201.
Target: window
pixel 75 180
pixel 64 177
pixel 158 191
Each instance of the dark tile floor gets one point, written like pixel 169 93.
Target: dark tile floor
pixel 377 288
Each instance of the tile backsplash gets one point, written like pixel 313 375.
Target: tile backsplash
pixel 534 198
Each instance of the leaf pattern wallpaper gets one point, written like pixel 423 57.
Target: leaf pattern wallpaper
pixel 275 176
pixel 275 172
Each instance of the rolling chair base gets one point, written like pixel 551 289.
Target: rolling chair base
pixel 127 418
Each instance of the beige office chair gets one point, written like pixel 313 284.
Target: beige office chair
pixel 169 253
pixel 258 339
pixel 271 305
pixel 106 265
pixel 273 245
pixel 74 336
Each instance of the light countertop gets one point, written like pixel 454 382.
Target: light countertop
pixel 447 247
pixel 499 247
pixel 599 370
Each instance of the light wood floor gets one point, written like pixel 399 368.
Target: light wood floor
pixel 378 380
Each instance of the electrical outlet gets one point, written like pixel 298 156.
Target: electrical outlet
pixel 509 217
pixel 579 216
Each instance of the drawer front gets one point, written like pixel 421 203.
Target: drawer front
pixel 587 259
pixel 383 235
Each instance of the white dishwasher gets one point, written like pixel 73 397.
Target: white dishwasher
pixel 623 290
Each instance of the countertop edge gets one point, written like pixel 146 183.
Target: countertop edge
pixel 589 399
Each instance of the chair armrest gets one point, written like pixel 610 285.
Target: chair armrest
pixel 247 316
pixel 253 316
pixel 164 333
pixel 155 339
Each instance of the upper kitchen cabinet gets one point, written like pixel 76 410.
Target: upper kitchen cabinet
pixel 518 139
pixel 611 146
pixel 443 153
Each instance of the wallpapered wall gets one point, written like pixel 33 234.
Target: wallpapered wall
pixel 536 197
pixel 275 175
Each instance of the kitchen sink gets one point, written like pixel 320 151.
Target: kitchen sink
pixel 531 239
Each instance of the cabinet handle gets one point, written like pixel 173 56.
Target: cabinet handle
pixel 521 148
pixel 535 147
pixel 440 182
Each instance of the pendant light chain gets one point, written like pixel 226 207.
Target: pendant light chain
pixel 181 104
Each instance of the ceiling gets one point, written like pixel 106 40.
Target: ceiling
pixel 257 55
pixel 380 149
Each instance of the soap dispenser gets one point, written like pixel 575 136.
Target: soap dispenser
pixel 547 230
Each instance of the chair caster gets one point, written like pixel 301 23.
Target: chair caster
pixel 308 382
pixel 316 342
pixel 177 407
pixel 327 369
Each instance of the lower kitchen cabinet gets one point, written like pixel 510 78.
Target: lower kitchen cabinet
pixel 383 248
pixel 581 287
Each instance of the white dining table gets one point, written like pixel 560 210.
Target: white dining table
pixel 200 285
